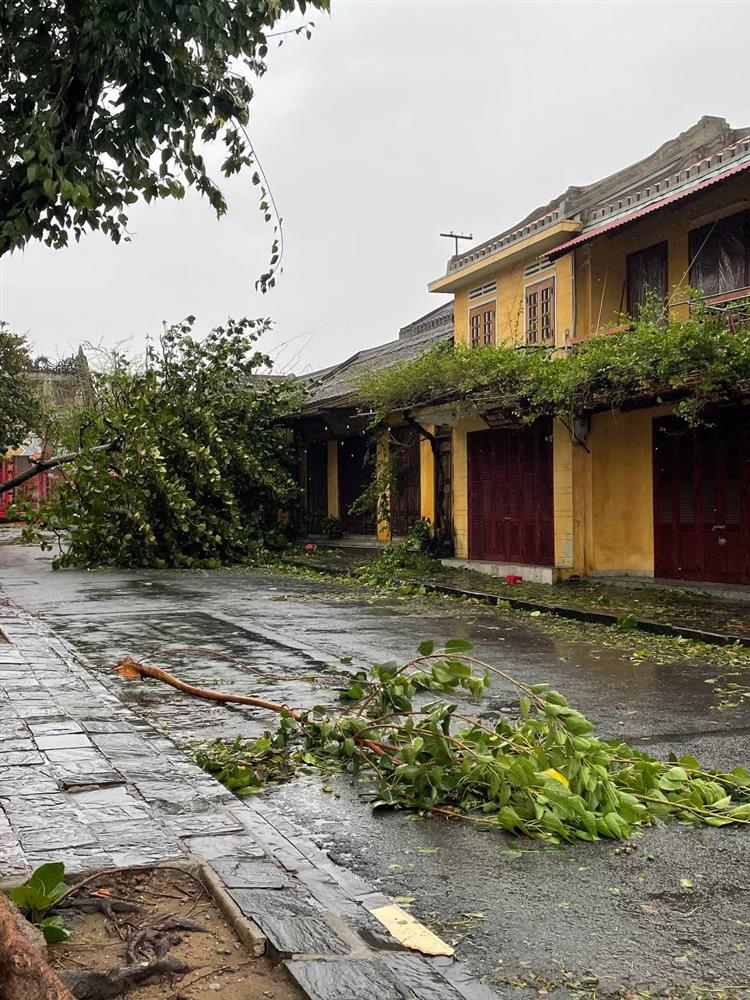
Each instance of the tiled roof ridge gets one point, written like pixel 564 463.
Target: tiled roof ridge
pixel 338 383
pixel 651 170
pixel 436 317
pixel 666 184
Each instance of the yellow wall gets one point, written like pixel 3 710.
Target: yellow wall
pixel 571 459
pixel 427 478
pixel 601 265
pixel 510 298
pixel 622 507
pixel 333 478
pixel 603 499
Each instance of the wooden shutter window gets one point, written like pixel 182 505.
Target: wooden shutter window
pixel 482 325
pixel 540 313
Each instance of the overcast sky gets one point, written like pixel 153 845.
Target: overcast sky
pixel 396 121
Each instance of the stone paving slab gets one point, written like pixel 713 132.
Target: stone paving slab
pixel 85 781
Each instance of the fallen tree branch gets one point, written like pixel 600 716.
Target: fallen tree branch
pixel 131 670
pixel 52 463
pixel 545 774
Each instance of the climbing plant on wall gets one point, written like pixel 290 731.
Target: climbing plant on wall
pixel 702 361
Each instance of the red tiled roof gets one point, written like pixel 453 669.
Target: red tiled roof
pixel 626 220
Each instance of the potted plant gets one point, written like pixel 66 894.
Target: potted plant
pixel 332 527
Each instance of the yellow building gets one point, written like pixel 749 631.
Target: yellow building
pixel 617 494
pixel 621 492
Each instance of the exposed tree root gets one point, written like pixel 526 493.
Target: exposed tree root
pixel 155 937
pixel 114 982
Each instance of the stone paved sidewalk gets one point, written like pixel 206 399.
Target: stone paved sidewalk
pixel 85 781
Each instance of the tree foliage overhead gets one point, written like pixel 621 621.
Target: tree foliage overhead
pixel 106 101
pixel 20 406
pixel 704 359
pixel 200 469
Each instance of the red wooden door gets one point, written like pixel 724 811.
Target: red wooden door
pixel 7 471
pixel 702 500
pixel 405 466
pixel 511 495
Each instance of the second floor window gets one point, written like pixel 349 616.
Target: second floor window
pixel 646 275
pixel 482 325
pixel 720 255
pixel 540 313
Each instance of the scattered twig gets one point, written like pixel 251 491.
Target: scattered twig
pixel 217 972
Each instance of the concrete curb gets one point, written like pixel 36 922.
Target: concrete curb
pixel 251 936
pixel 559 610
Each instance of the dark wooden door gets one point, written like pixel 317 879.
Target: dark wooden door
pixel 702 499
pixel 444 501
pixel 405 468
pixel 355 475
pixel 511 495
pixel 316 484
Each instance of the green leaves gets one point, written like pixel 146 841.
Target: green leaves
pixel 91 95
pixel 458 646
pixel 705 358
pixel 544 775
pixel 21 410
pixel 38 895
pixel 203 468
pixel 53 929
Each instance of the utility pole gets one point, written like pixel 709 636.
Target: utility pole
pixel 456 237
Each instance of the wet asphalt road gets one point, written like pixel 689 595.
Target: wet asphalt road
pixel 533 913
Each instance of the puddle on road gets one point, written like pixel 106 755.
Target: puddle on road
pixel 267 666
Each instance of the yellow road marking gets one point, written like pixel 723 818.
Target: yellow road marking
pixel 406 929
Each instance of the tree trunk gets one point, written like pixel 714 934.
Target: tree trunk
pixel 24 971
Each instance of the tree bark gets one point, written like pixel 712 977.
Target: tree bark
pixel 133 670
pixel 52 463
pixel 24 971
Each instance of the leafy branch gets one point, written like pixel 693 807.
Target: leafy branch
pixel 544 775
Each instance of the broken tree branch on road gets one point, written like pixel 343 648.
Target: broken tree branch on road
pixel 46 464
pixel 544 774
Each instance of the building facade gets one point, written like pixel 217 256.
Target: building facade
pixel 622 492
